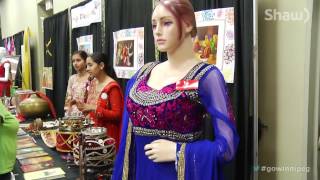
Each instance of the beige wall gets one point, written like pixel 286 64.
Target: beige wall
pixel 16 15
pixel 60 5
pixel 283 89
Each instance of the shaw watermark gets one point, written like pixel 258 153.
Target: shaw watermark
pixel 275 15
pixel 270 169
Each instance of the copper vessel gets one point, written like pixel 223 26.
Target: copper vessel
pixel 34 106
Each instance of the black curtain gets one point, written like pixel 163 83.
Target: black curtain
pixel 1 41
pixel 123 14
pixel 242 87
pixel 93 29
pixel 56 55
pixel 18 41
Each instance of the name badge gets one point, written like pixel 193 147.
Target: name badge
pixel 187 85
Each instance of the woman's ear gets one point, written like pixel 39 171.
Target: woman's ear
pixel 188 27
pixel 101 65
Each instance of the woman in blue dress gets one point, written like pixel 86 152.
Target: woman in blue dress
pixel 166 104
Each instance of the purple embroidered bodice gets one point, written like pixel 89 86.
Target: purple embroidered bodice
pixel 167 113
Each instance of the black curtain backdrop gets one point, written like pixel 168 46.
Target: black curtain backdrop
pixel 56 55
pixel 1 41
pixel 240 90
pixel 93 29
pixel 123 14
pixel 18 41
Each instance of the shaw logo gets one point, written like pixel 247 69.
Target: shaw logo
pixel 275 15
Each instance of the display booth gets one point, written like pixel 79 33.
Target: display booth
pixel 123 28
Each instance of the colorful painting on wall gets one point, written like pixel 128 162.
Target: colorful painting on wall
pixel 85 43
pixel 87 14
pixel 46 81
pixel 214 42
pixel 128 54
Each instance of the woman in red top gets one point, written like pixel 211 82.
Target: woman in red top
pixel 105 98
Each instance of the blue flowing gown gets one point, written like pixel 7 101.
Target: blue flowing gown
pixel 177 115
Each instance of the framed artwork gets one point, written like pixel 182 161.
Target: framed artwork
pixel 85 43
pixel 128 54
pixel 125 52
pixel 215 41
pixel 46 81
pixel 87 14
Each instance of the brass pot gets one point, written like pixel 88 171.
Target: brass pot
pixel 34 107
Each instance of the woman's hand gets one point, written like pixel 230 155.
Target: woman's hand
pixel 161 150
pixel 72 102
pixel 85 108
pixel 69 102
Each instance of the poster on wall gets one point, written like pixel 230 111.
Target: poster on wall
pixel 85 43
pixel 128 53
pixel 87 14
pixel 9 45
pixel 215 41
pixel 46 82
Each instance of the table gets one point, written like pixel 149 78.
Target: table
pixel 72 172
